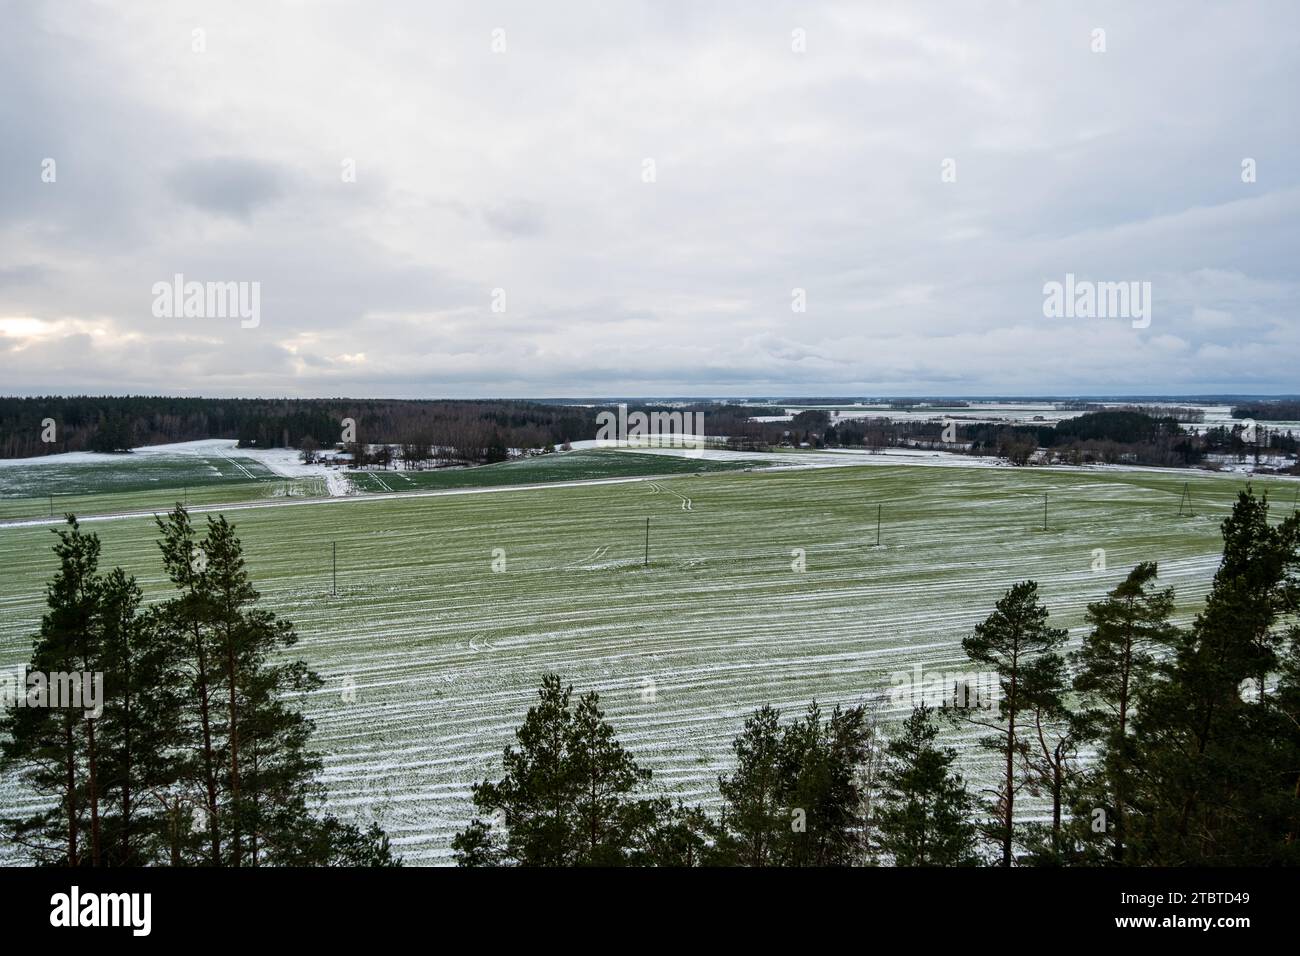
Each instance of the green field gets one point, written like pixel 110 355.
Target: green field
pixel 446 654
pixel 567 466
pixel 155 482
pixel 120 474
pixel 133 482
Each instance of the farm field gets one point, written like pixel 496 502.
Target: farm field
pixel 122 473
pixel 154 481
pixel 109 483
pixel 578 465
pixel 444 654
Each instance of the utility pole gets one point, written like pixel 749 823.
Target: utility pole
pixel 878 525
pixel 647 542
pixel 51 506
pixel 1044 511
pixel 334 588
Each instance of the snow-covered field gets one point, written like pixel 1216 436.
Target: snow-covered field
pixel 283 462
pixel 1025 413
pixel 1043 413
pixel 445 654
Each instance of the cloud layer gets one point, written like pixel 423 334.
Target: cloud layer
pixel 452 200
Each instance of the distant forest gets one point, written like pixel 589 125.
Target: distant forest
pixel 1115 436
pixel 117 424
pixel 1278 411
pixel 477 430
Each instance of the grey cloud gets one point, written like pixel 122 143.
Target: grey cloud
pixel 519 219
pixel 230 187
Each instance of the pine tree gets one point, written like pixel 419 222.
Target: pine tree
pixel 923 814
pixel 55 747
pixel 754 817
pixel 820 762
pixel 477 845
pixel 139 729
pixel 109 767
pixel 1007 642
pixel 603 774
pixel 330 842
pixel 795 797
pixel 1215 749
pixel 665 833
pixel 1051 751
pixel 185 620
pixel 272 812
pixel 1115 663
pixel 198 713
pixel 566 798
pixel 249 741
pixel 1262 562
pixel 1288 708
pixel 534 797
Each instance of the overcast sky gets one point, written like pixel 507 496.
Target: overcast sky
pixel 524 169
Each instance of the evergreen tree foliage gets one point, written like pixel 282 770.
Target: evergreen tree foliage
pixel 1116 660
pixel 1008 642
pixel 199 754
pixel 796 796
pixel 55 748
pixel 1217 750
pixel 567 797
pixel 924 816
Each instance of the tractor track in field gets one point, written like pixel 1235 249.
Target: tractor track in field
pixel 686 502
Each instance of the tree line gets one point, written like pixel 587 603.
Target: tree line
pixel 114 424
pixel 1152 745
pixel 485 431
pixel 452 430
pixel 1112 436
pixel 1278 410
pixel 200 753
